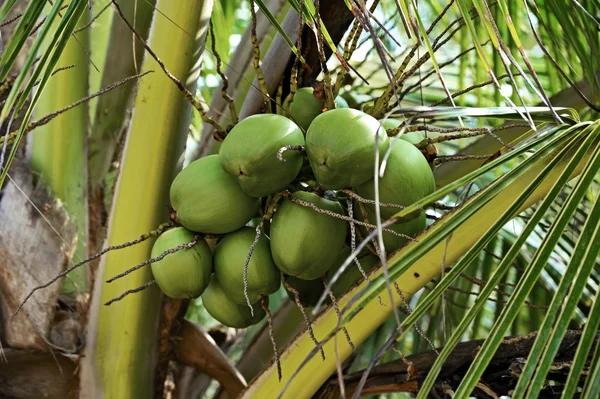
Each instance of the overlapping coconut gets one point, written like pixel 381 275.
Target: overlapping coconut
pixel 340 145
pixel 230 254
pixel 207 199
pixel 249 153
pixel 185 273
pixel 302 239
pixel 407 179
pixel 220 306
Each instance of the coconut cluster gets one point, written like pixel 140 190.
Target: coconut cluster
pixel 306 237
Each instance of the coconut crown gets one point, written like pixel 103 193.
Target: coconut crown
pixel 218 304
pixel 249 153
pixel 302 239
pixel 209 200
pixel 229 256
pixel 185 273
pixel 340 145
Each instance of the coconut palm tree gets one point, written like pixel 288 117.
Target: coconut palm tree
pixel 104 102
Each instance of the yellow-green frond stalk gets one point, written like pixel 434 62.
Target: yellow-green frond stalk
pixel 315 372
pixel 59 149
pixel 121 336
pixel 122 61
pixel 99 32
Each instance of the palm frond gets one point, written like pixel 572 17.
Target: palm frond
pixel 56 40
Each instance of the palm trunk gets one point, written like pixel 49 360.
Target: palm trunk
pixel 121 338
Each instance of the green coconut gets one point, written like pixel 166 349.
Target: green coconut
pixel 407 179
pixel 412 137
pixel 409 228
pixel 254 222
pixel 350 99
pixel 340 145
pixel 303 240
pixel 249 153
pixel 185 273
pixel 306 107
pixel 230 254
pixel 220 306
pixel 352 275
pixel 309 291
pixel 340 102
pixel 208 200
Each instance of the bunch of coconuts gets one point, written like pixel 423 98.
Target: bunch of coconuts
pixel 223 195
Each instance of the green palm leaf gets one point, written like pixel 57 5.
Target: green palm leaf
pixel 468 384
pixel 281 31
pixel 44 67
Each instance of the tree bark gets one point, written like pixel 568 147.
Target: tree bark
pixel 28 374
pixel 500 376
pixel 36 243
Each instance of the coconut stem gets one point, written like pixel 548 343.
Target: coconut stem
pixel 378 253
pixel 451 132
pixel 453 158
pixel 154 233
pixel 363 210
pixel 256 60
pixel 305 315
pixel 271 334
pixel 406 308
pixel 294 72
pixel 247 262
pixel 131 291
pixel 329 103
pixel 225 86
pixel 352 194
pixel 349 47
pixel 353 238
pixel 157 258
pixel 337 311
pixel 278 99
pixel 271 207
pixel 308 204
pixel 297 148
pixel 382 104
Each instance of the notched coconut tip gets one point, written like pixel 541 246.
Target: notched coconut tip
pixel 172 214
